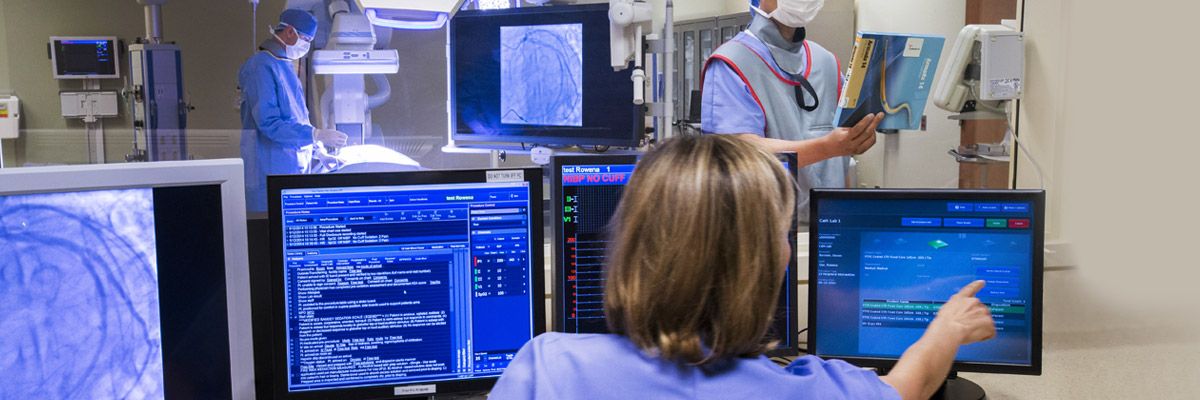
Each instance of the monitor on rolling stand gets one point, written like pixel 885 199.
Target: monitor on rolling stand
pixel 882 262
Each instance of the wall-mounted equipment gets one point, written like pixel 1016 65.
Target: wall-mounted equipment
pixel 987 64
pixel 94 57
pixel 986 70
pixel 90 105
pixel 10 117
pixel 88 59
pixel 10 121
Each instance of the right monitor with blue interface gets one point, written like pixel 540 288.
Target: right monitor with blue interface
pixel 883 261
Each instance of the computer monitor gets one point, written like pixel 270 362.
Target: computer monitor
pixel 125 281
pixel 883 261
pixel 85 57
pixel 586 191
pixel 403 283
pixel 539 75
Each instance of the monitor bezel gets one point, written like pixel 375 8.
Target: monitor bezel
pixel 116 57
pixel 793 271
pixel 227 173
pixel 1036 197
pixel 468 139
pixel 277 183
pixel 559 270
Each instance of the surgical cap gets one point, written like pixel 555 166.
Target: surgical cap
pixel 304 22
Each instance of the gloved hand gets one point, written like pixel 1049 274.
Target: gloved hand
pixel 329 161
pixel 331 138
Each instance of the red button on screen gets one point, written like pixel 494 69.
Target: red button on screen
pixel 1018 223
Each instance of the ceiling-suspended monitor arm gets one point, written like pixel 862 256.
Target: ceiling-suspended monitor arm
pixel 410 14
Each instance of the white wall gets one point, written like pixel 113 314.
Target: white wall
pixel 9 153
pixel 1108 111
pixel 920 159
pixel 3 50
pixel 215 40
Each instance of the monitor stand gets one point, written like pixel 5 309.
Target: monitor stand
pixel 959 388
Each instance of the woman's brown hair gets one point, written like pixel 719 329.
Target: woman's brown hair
pixel 699 247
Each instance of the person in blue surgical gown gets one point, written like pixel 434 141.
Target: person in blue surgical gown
pixel 277 137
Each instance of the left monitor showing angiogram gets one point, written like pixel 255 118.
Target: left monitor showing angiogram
pixel 79 301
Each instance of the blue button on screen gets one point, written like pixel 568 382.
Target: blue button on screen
pixel 964 222
pixel 988 207
pixel 960 207
pixel 1016 207
pixel 921 222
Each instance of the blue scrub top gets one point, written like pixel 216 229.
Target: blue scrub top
pixel 593 366
pixel 276 133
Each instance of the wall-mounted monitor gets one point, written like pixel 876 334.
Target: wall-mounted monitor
pixel 539 75
pixel 85 57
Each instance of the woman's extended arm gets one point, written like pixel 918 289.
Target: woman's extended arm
pixel 924 366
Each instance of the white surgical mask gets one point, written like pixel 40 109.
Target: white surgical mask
pixel 298 50
pixel 794 13
pixel 295 51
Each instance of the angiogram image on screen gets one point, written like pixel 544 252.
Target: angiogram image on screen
pixel 541 75
pixel 79 303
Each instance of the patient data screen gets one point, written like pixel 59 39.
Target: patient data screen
pixel 884 268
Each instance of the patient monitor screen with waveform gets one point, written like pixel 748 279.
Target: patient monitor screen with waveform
pixel 884 263
pixel 587 190
pixel 539 75
pixel 113 294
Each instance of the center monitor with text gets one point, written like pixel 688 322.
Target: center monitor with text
pixel 412 283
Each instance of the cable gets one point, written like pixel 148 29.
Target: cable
pixel 253 26
pixel 1037 166
pixel 1018 108
pixel 1010 135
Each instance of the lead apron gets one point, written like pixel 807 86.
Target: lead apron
pixel 784 118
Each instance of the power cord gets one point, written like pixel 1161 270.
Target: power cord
pixel 1009 135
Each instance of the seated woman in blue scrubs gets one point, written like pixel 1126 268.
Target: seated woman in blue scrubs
pixel 699 250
